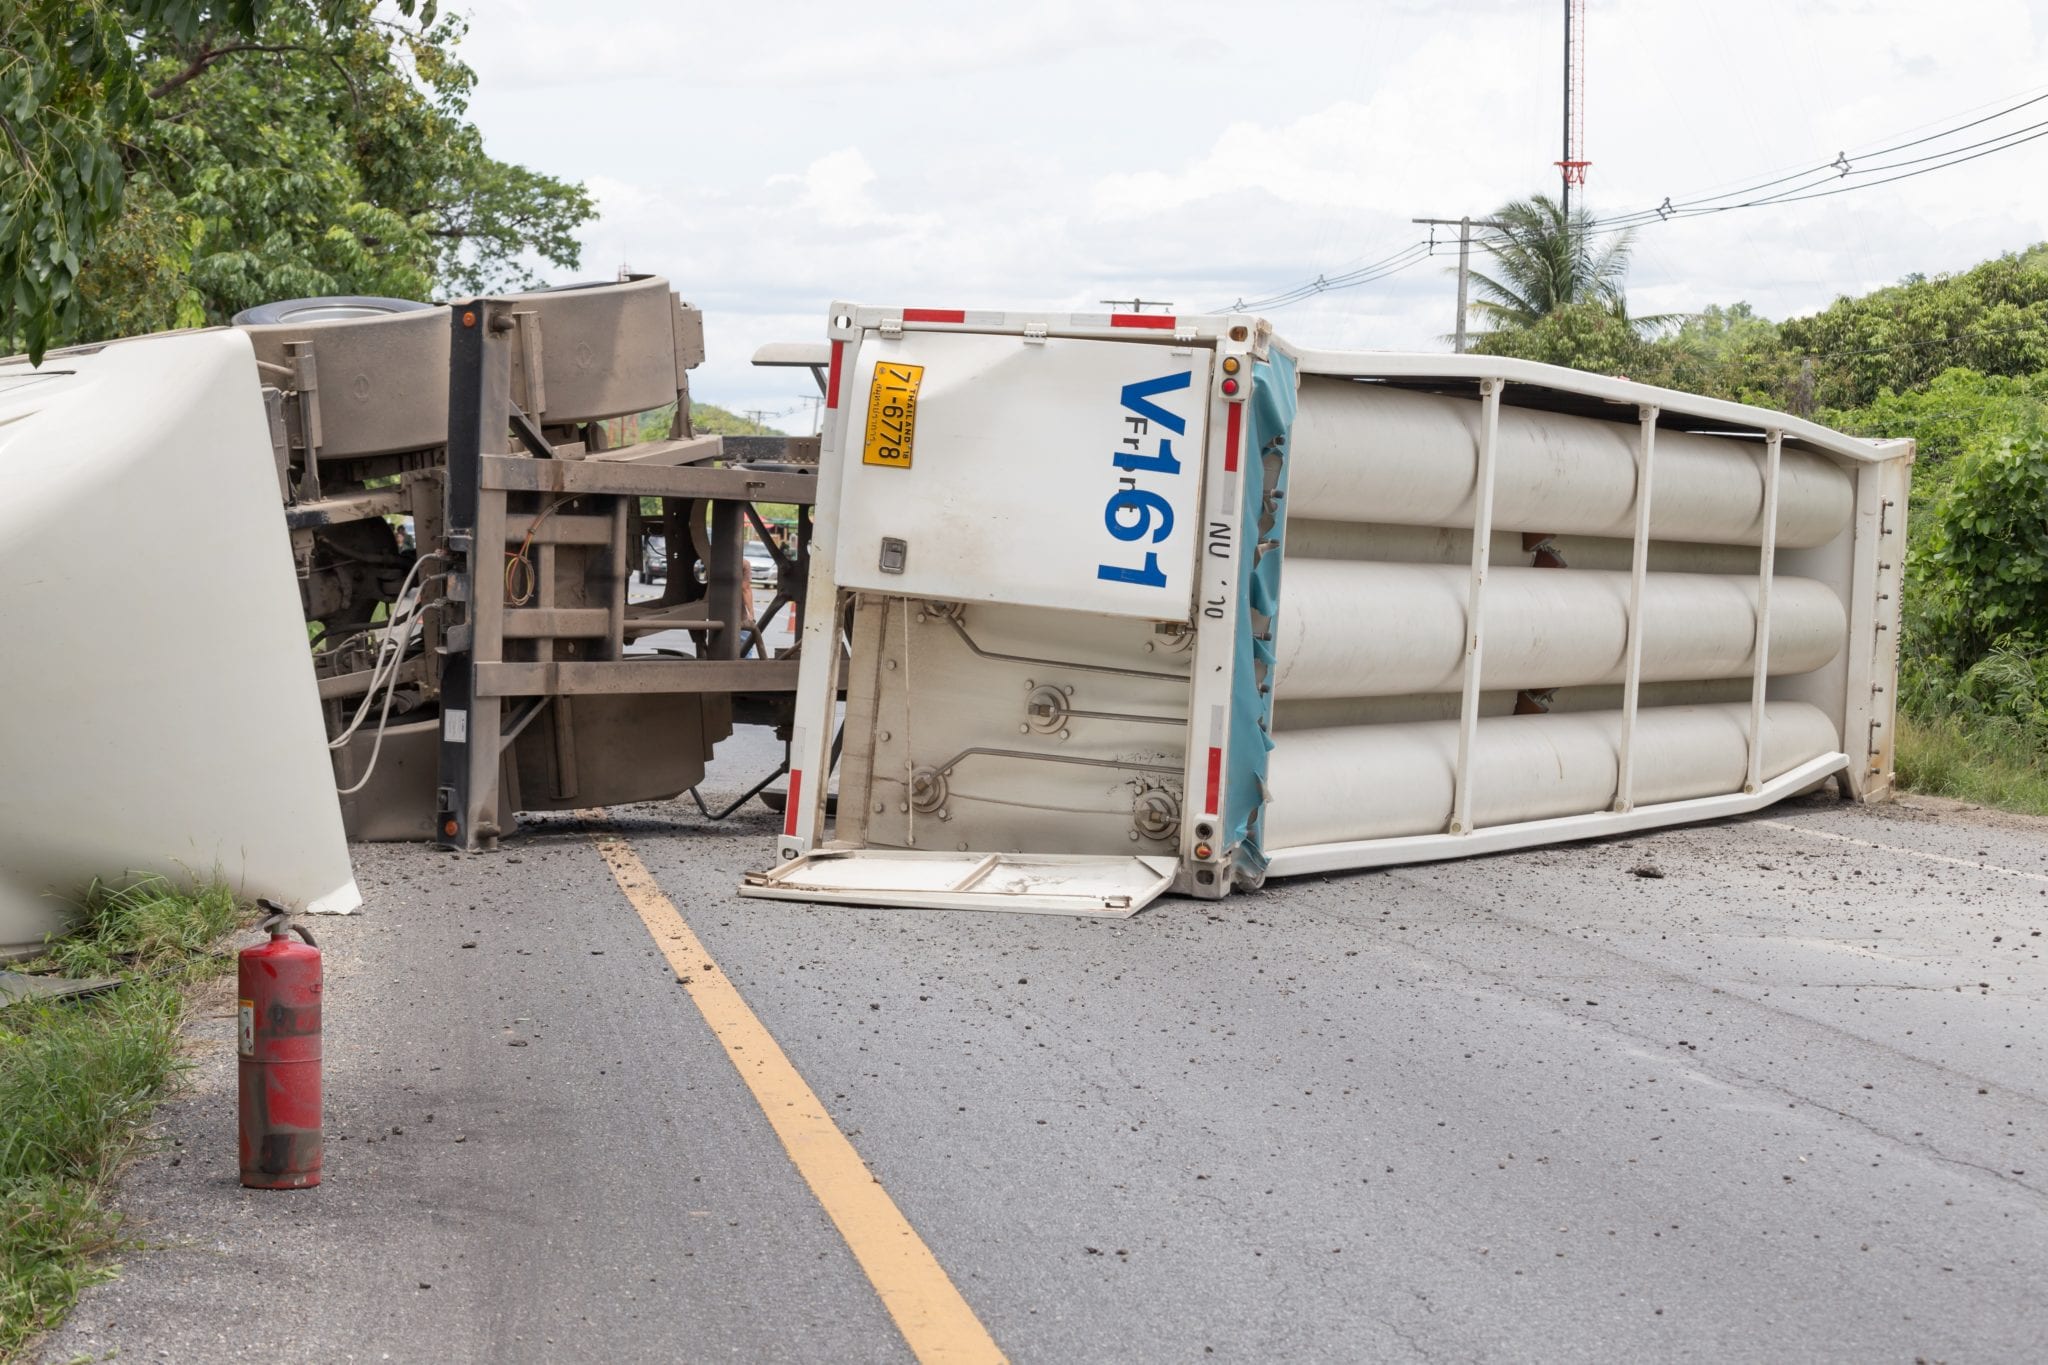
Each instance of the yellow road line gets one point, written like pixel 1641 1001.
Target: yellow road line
pixel 929 1310
pixel 1895 848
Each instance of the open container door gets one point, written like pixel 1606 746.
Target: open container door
pixel 1031 883
pixel 1012 584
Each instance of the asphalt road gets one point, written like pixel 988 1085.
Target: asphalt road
pixel 1785 1099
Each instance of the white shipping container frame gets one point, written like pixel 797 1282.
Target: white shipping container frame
pixel 1879 471
pixel 818 679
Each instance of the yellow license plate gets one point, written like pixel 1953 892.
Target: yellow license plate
pixel 892 414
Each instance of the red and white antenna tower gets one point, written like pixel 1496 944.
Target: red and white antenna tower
pixel 1574 164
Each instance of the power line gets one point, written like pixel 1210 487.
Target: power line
pixel 1350 279
pixel 1842 167
pixel 1834 169
pixel 1927 170
pixel 1608 227
pixel 1811 177
pixel 1798 193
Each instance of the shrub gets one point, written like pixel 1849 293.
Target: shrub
pixel 1980 574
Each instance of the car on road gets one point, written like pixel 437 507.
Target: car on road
pixel 762 571
pixel 761 567
pixel 654 559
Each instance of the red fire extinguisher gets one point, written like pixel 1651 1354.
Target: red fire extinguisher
pixel 279 1042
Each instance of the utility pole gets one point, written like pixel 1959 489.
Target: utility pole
pixel 1565 164
pixel 1464 227
pixel 1135 305
pixel 1572 168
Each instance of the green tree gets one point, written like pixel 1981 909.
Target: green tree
pixel 1583 336
pixel 1544 261
pixel 1992 318
pixel 68 89
pixel 1728 352
pixel 710 419
pixel 1981 573
pixel 179 160
pixel 1956 410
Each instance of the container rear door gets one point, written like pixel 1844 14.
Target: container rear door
pixel 1046 472
pixel 1032 883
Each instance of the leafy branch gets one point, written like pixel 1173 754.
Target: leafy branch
pixel 167 163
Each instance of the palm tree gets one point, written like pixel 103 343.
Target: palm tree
pixel 1546 261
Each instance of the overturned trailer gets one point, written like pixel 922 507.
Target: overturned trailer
pixel 466 493
pixel 1135 603
pixel 491 661
pixel 161 714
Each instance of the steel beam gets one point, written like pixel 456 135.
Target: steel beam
pixel 519 474
pixel 570 678
pixel 479 414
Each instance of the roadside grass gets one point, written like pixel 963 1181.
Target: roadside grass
pixel 1970 760
pixel 79 1079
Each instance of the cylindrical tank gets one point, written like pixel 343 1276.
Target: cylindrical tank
pixel 1312 538
pixel 1386 781
pixel 1367 452
pixel 1323 713
pixel 1352 629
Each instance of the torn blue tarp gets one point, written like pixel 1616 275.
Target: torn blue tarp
pixel 1264 477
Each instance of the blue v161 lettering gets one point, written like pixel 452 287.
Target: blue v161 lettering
pixel 1137 511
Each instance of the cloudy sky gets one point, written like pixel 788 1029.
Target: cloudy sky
pixel 772 157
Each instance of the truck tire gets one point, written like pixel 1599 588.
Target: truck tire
pixel 333 308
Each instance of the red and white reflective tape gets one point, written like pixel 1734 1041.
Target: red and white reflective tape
pixel 1233 437
pixel 1143 322
pixel 832 379
pixel 796 796
pixel 954 317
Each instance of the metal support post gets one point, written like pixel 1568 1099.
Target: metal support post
pixel 725 581
pixel 1639 565
pixel 479 416
pixel 306 381
pixel 615 606
pixel 1475 600
pixel 1767 558
pixel 1565 166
